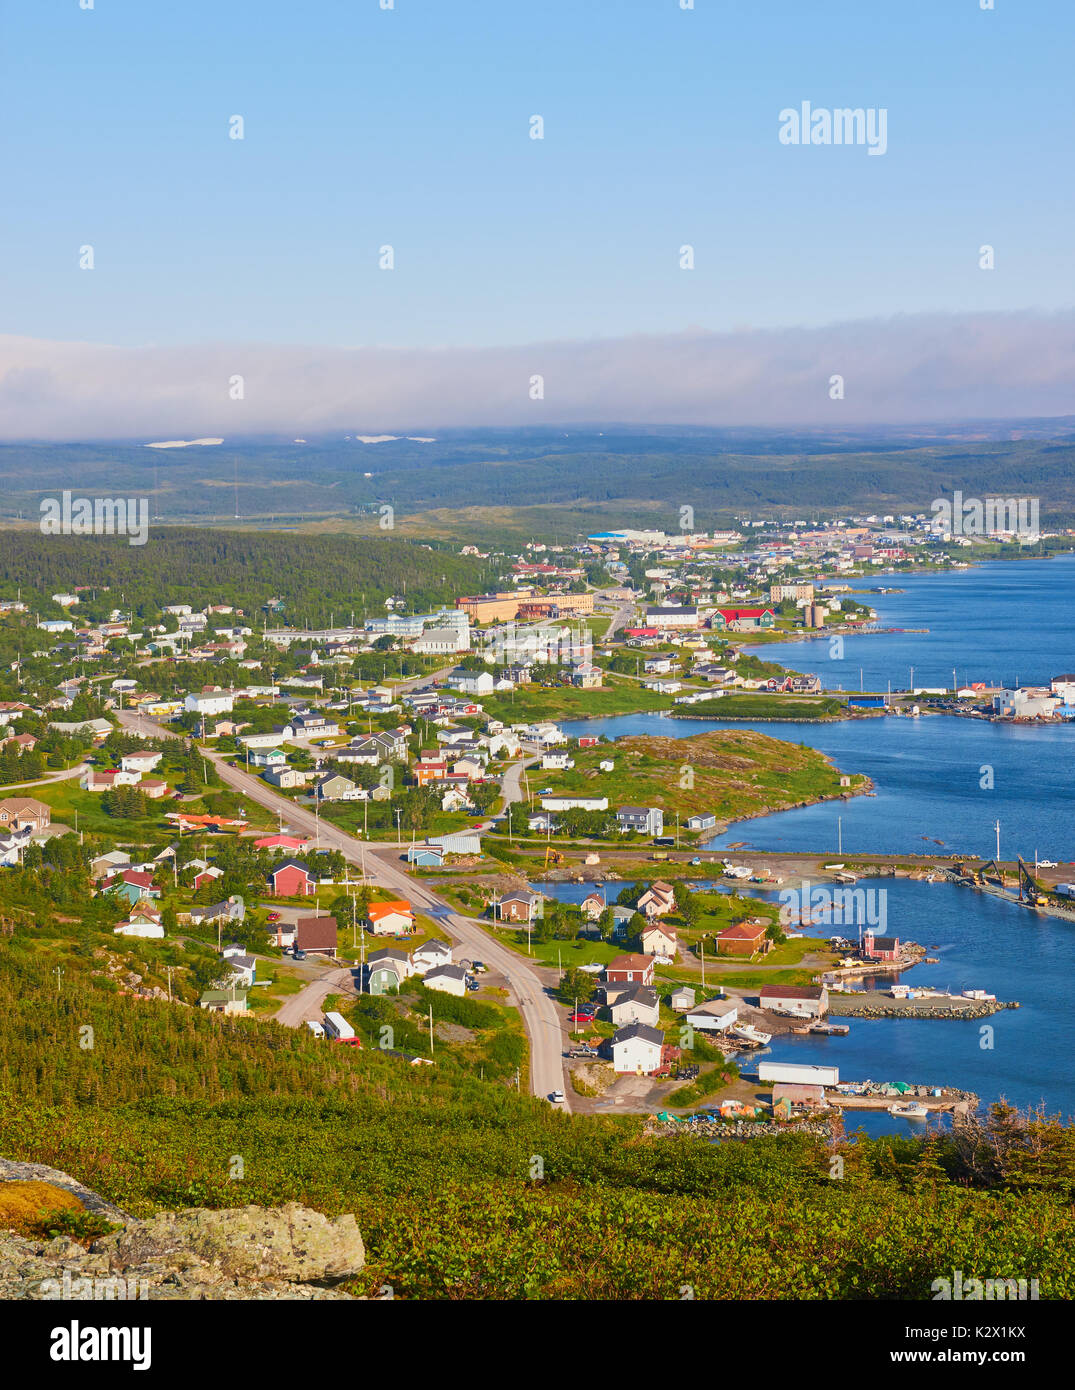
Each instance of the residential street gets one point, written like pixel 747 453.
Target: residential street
pixel 538 1010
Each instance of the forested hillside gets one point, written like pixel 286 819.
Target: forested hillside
pixel 315 578
pixel 464 1188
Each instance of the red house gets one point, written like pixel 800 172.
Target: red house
pixel 742 939
pixel 880 947
pixel 587 741
pixel 630 970
pixel 281 842
pixel 292 880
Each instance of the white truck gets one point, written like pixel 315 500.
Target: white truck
pixel 337 1027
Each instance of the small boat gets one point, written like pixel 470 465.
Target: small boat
pixel 909 1109
pixel 751 1034
pixel 833 866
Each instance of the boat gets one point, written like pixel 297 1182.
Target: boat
pixel 830 1030
pixel 909 1109
pixel 750 1034
pixel 833 866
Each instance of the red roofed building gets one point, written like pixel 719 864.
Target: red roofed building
pixel 743 939
pixel 630 970
pixel 742 619
pixel 290 843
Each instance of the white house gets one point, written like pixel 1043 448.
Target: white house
pixel 658 940
pixel 715 1017
pixel 636 1005
pixel 209 702
pixel 449 979
pixel 637 1048
pixel 139 762
pixel 429 955
pixel 574 803
pixel 472 682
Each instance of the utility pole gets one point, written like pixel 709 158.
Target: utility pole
pixel 431 1030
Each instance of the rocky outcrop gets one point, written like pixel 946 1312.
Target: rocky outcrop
pixel 288 1252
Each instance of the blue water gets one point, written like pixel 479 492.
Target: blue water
pixel 1006 622
pixel 928 775
pixel 1000 622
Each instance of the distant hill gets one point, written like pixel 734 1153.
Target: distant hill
pixel 496 476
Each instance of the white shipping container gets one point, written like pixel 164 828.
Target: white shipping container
pixel 791 1071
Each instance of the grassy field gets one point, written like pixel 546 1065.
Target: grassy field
pixel 731 774
pixel 758 706
pixel 565 702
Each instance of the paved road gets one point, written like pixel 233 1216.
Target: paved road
pixel 45 781
pixel 536 1006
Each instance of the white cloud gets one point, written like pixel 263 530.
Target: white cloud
pixel 904 369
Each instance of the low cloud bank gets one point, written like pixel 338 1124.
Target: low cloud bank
pixel 899 370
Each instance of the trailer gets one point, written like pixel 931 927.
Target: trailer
pixel 798 1074
pixel 337 1027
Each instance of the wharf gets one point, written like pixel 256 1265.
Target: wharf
pixel 874 1004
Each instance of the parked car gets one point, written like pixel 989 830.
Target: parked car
pixel 299 955
pixel 580 1018
pixel 479 967
pixel 272 917
pixel 556 1097
pixel 473 984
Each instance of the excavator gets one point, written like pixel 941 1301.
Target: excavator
pixel 553 856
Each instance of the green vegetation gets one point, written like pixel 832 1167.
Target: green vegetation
pixel 759 706
pixel 731 773
pixel 435 1163
pixel 532 703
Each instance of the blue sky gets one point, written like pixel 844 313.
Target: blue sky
pixel 410 127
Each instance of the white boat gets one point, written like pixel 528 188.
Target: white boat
pixel 909 1109
pixel 750 1034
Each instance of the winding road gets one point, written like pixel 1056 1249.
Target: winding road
pixel 531 995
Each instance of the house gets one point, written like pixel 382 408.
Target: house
pixel 316 934
pixel 555 762
pixel 449 979
pixel 292 879
pixel 742 619
pixel 387 968
pixel 472 682
pixel 139 762
pixel 636 1005
pixel 153 787
pixel 232 909
pixel 18 812
pixel 390 919
pixel 284 777
pixel 132 885
pixel 106 864
pixel 586 676
pixel 241 969
pixel 621 919
pixel 637 1048
pixel 207 875
pixel 143 922
pixel 703 821
pixel 98 780
pixel 593 904
pixel 430 954
pixel 338 788
pixel 807 1001
pixel 743 939
pixel 268 757
pixel 880 947
pixel 224 1001
pixel 210 701
pixel 519 906
pixel 647 820
pixel 682 999
pixel 715 1017
pixel 658 900
pixel 313 726
pixel 630 970
pixel 658 940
